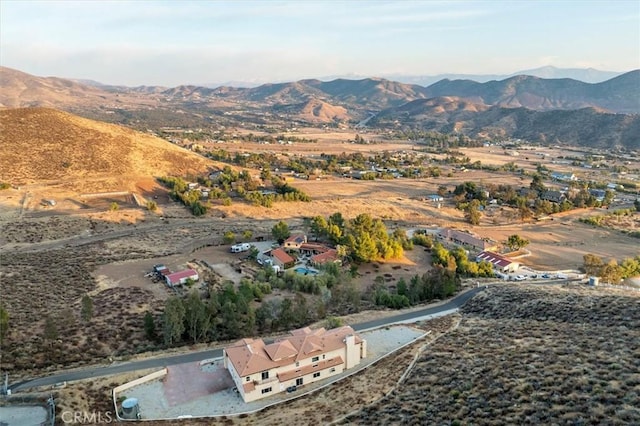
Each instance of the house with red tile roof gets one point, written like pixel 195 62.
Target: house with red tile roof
pixel 330 256
pixel 312 249
pixel 260 370
pixel 295 241
pixel 281 258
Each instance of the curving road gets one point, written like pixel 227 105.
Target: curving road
pixel 165 361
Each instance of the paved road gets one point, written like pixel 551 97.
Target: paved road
pixel 89 373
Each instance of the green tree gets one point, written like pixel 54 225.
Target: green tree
pixel 286 317
pixel 611 272
pixel 523 208
pixel 608 197
pixel 516 242
pixel 197 319
pixel 149 326
pixel 592 264
pixel 442 190
pixel 86 311
pixel 473 214
pixel 365 248
pixel 50 330
pixel 114 206
pixel 247 234
pixel 334 322
pixel 173 320
pixel 319 227
pixel 630 267
pixel 152 206
pixel 440 255
pixel 229 237
pixel 253 252
pixel 280 231
pixel 537 184
pixel 4 323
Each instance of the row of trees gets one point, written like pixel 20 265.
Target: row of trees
pixel 611 271
pixel 436 284
pixel 228 313
pixel 457 260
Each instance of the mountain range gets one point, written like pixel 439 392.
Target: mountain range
pixel 588 75
pixel 519 105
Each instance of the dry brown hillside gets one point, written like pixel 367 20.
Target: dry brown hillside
pixel 318 111
pixel 41 145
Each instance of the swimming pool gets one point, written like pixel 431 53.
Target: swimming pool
pixel 305 271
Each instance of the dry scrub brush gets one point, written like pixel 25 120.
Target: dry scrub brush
pixel 527 356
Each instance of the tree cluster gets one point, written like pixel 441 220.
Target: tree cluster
pixel 364 238
pixel 611 272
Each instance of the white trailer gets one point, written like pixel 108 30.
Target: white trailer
pixel 237 248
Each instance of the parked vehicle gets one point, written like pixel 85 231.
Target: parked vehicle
pixel 237 248
pixel 520 277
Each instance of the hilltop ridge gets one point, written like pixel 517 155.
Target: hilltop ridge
pixel 42 144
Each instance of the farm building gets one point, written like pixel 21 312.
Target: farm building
pixel 466 239
pixel 435 198
pixel 260 370
pixel 500 263
pixel 181 277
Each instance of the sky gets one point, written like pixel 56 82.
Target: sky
pixel 170 43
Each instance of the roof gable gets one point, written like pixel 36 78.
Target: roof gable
pixel 280 350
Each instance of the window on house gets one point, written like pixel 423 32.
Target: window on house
pixel 315 359
pixel 316 374
pixel 248 378
pixel 333 370
pixel 299 381
pixel 266 390
pixel 265 375
pixel 323 356
pixel 297 364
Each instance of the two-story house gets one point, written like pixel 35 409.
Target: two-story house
pixel 260 370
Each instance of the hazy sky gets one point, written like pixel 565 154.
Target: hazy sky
pixel 198 42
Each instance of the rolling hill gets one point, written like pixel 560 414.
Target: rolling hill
pixel 45 145
pixel 520 106
pixel 586 127
pixel 619 95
